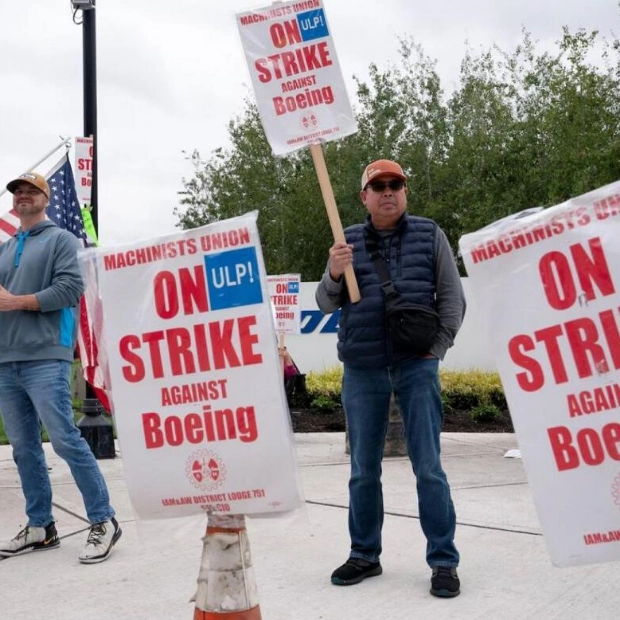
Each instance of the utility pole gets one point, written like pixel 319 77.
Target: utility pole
pixel 89 47
pixel 95 426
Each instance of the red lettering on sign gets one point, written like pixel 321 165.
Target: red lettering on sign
pixel 302 60
pixel 210 346
pixel 307 99
pixel 165 295
pixel 591 268
pixel 549 337
pixel 212 425
pixel 135 371
pixel 193 290
pixel 557 280
pixel 190 289
pixel 285 33
pixel 591 447
pixel 593 345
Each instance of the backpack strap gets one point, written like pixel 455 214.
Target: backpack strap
pixel 380 266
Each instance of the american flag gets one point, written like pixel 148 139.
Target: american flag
pixel 9 223
pixel 64 207
pixel 64 211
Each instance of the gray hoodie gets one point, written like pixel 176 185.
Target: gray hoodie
pixel 42 261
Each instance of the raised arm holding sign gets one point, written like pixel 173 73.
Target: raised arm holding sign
pixel 301 96
pixel 332 213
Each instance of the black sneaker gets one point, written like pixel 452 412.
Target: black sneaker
pixel 31 539
pixel 445 582
pixel 355 570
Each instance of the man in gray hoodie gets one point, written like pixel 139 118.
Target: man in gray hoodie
pixel 40 290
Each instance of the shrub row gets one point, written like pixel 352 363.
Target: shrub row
pixel 479 392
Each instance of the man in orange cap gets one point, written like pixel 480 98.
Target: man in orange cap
pixel 401 257
pixel 40 290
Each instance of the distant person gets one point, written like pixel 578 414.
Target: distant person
pixel 40 289
pixel 294 380
pixel 420 264
pixel 289 368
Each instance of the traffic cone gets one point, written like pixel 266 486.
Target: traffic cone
pixel 226 584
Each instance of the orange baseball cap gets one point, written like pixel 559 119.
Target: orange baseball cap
pixel 34 179
pixel 381 168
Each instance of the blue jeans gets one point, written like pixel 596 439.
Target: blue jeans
pixel 366 398
pixel 40 390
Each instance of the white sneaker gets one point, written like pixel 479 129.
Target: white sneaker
pixel 100 542
pixel 31 539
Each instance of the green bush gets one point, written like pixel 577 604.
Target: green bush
pixel 479 392
pixel 327 382
pixel 468 390
pixel 447 404
pixel 325 403
pixel 486 412
pixel 324 388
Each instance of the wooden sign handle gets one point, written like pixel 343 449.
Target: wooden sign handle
pixel 332 213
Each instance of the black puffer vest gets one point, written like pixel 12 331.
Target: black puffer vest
pixel 410 257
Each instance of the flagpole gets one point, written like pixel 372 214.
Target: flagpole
pixel 95 426
pixel 63 143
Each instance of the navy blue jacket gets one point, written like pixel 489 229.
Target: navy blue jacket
pixel 410 256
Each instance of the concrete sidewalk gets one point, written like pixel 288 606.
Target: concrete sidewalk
pixel 505 570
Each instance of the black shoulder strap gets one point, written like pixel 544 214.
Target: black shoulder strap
pixel 380 265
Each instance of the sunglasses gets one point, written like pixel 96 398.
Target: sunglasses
pixel 379 186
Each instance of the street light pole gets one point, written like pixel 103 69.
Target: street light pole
pixel 95 427
pixel 89 46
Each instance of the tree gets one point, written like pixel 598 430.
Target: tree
pixel 522 129
pixel 247 177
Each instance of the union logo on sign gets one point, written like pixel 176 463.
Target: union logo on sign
pixel 308 121
pixel 205 470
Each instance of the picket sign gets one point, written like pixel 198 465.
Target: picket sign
pixel 84 157
pixel 301 96
pixel 546 282
pixel 188 332
pixel 284 292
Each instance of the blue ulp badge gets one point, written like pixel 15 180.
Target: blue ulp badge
pixel 293 287
pixel 312 25
pixel 233 279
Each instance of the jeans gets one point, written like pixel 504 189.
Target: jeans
pixel 366 397
pixel 40 390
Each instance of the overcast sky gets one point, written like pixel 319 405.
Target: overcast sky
pixel 171 75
